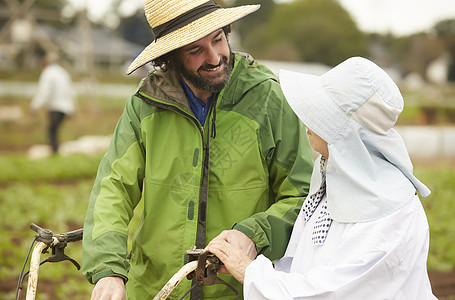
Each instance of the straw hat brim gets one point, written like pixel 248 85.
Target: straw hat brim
pixel 190 33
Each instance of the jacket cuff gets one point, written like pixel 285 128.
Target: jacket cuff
pixel 248 232
pixel 107 273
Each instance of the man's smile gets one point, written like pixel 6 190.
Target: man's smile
pixel 211 68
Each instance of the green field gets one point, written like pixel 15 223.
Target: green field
pixel 53 193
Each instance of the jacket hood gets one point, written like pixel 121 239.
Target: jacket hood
pixel 164 87
pixel 353 107
pixel 246 74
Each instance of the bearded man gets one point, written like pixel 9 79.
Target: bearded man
pixel 208 143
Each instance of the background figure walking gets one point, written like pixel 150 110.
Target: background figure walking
pixel 55 93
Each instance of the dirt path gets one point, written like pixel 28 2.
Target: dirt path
pixel 443 284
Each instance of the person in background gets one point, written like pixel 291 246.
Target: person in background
pixel 362 232
pixel 208 143
pixel 56 94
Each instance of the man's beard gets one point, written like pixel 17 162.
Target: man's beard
pixel 207 83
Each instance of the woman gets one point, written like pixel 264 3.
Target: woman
pixel 362 232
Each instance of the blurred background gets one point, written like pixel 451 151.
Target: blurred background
pixel 413 40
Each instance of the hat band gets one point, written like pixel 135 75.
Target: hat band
pixel 185 19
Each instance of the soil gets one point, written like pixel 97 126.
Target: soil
pixel 8 288
pixel 443 284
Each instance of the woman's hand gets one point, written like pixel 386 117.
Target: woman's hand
pixel 234 258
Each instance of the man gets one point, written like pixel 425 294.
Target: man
pixel 55 92
pixel 207 141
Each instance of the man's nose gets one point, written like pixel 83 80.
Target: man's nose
pixel 212 57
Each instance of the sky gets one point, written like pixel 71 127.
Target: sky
pixel 400 17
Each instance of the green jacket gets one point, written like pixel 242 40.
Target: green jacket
pixel 249 166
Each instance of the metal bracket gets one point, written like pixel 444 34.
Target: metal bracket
pixel 207 268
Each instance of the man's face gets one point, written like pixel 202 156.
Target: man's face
pixel 205 64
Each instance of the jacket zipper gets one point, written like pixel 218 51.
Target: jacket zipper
pixel 202 215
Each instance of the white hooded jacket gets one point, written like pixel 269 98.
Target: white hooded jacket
pixel 377 244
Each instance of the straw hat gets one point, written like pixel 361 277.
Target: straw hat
pixel 177 23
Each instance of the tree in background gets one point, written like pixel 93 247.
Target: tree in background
pixel 302 30
pixel 21 32
pixel 319 31
pixel 445 30
pixel 414 53
pixel 49 11
pixel 257 19
pixel 422 49
pixel 136 29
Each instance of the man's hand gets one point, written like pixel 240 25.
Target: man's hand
pixel 237 240
pixel 109 288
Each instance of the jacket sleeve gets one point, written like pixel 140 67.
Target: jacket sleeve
pixel 116 192
pixel 290 161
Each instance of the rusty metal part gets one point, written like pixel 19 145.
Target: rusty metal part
pixel 207 268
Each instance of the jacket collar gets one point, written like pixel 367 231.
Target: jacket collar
pixel 166 86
